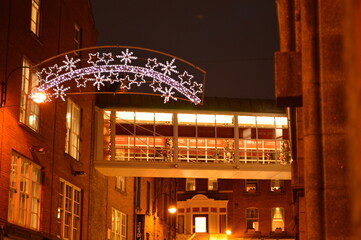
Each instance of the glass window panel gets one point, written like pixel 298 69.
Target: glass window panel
pixel 144 117
pixel 163 118
pixel 200 224
pixel 206 119
pixel 186 118
pixel 281 122
pixel 125 116
pixel 265 121
pixel 246 120
pixel 224 120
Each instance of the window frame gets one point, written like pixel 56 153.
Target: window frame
pixel 73 129
pixel 191 182
pixel 273 219
pixel 29 110
pixel 194 222
pixel 119 222
pixel 35 17
pixel 22 176
pixel 120 183
pixel 252 214
pixel 74 200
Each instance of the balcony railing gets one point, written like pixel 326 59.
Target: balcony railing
pixel 210 151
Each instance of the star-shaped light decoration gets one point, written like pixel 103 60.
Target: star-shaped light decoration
pixel 168 67
pixel 156 85
pixel 113 77
pixel 168 94
pixel 107 57
pixel 59 92
pixel 99 78
pixel 185 78
pixel 93 58
pixel 81 81
pixel 152 63
pixel 70 64
pixel 126 57
pixel 197 87
pixel 42 76
pixel 126 82
pixel 138 79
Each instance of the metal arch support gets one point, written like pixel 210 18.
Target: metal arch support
pixel 103 68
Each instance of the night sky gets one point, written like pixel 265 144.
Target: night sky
pixel 232 40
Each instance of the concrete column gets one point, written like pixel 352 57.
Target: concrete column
pixel 313 164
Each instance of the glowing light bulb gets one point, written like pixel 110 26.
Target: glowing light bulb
pixel 38 96
pixel 172 209
pixel 228 232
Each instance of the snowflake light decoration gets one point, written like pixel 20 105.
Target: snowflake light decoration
pixel 102 69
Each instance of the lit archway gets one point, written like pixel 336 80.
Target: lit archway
pixel 122 69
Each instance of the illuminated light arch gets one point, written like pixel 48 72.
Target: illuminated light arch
pixel 123 66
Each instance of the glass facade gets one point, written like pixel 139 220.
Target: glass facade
pixel 196 138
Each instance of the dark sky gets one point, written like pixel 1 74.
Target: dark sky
pixel 232 40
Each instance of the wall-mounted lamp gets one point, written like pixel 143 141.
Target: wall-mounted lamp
pixel 79 173
pixel 38 149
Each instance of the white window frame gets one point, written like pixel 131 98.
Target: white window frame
pixel 212 184
pixel 120 183
pixel 25 192
pixel 190 184
pixel 29 110
pixel 252 214
pixel 119 225
pixel 278 219
pixel 73 118
pixel 69 211
pixel 35 17
pixel 77 39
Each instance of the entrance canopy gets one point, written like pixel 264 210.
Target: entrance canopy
pixel 119 70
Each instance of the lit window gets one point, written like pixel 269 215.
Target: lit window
pixel 246 120
pixel 200 223
pixel 119 225
pixel 120 183
pixel 278 222
pixel 266 121
pixel 72 142
pixel 224 120
pixel 252 219
pixel 69 206
pixel 276 185
pixel 29 110
pixel 77 38
pixel 212 184
pixel 163 118
pixel 251 185
pixel 127 117
pixel 206 119
pixel 35 17
pixel 190 184
pixel 25 192
pixel 186 119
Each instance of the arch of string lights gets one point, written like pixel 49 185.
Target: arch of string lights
pixel 126 68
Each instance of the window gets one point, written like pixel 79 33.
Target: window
pixel 212 184
pixel 190 184
pixel 69 206
pixel 120 183
pixel 77 37
pixel 251 185
pixel 35 17
pixel 252 218
pixel 276 185
pixel 29 110
pixel 278 222
pixel 222 223
pixel 119 225
pixel 72 143
pixel 25 192
pixel 200 223
pixel 180 223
